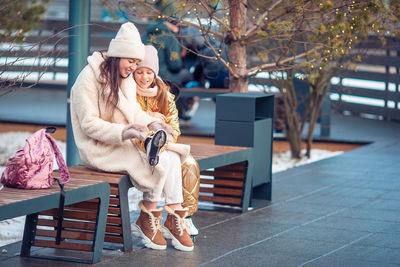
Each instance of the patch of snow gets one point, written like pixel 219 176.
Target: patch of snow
pixel 283 161
pixel 12 230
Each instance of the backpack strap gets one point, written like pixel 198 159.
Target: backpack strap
pixel 62 166
pixel 65 177
pixel 60 212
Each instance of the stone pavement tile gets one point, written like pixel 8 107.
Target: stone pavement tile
pixel 337 261
pixel 243 258
pixel 312 233
pixel 211 243
pixel 382 240
pixel 343 190
pixel 148 257
pixel 207 217
pixel 310 208
pixel 285 246
pixel 374 183
pixel 392 228
pixel 392 194
pixel 331 200
pixel 373 214
pixel 384 256
pixel 277 215
pixel 310 181
pixel 33 262
pixel 386 204
pixel 340 222
pixel 239 233
pixel 379 182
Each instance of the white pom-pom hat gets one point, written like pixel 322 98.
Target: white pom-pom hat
pixel 127 43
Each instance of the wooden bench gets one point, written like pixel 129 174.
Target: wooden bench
pixel 226 179
pixel 18 202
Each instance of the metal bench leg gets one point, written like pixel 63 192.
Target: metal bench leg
pixel 123 187
pixel 263 191
pixel 29 234
pixel 101 225
pixel 247 186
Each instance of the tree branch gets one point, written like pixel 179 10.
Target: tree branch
pixel 156 11
pixel 217 55
pixel 257 69
pixel 261 18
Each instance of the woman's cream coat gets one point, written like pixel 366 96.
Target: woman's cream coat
pixel 98 132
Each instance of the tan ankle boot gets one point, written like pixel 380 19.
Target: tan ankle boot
pixel 148 227
pixel 176 229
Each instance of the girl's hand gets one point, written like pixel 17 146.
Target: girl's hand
pixel 159 116
pixel 156 125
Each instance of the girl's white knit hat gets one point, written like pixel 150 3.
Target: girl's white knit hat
pixel 127 43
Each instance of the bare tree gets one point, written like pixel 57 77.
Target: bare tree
pixel 17 19
pixel 307 39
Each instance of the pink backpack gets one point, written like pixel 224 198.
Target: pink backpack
pixel 32 166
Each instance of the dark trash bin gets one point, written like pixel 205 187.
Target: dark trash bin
pixel 246 119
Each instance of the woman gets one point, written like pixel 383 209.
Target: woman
pixel 154 97
pixel 106 120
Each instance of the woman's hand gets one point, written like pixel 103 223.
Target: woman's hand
pixel 134 131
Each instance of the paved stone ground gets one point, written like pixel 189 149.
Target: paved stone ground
pixel 341 211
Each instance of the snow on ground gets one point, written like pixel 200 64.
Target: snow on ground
pixel 12 230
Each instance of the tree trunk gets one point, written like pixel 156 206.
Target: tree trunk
pixel 294 139
pixel 292 129
pixel 292 125
pixel 315 114
pixel 237 49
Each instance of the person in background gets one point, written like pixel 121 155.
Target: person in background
pixel 164 35
pixel 107 121
pixel 154 97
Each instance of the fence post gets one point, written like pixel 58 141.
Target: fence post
pixel 78 51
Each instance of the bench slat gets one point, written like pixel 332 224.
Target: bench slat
pixel 11 195
pixel 233 175
pixel 114 201
pixel 113 239
pixel 90 206
pixel 222 182
pixel 237 167
pixel 72 214
pixel 63 245
pixel 222 191
pixel 220 199
pixel 68 224
pixel 79 225
pixel 67 234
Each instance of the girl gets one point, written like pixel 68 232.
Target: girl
pixel 105 120
pixel 154 97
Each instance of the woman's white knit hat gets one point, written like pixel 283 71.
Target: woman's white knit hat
pixel 150 59
pixel 127 43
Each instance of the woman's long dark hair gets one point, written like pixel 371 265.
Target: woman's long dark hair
pixel 110 77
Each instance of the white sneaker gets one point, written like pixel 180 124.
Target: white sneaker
pixel 191 228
